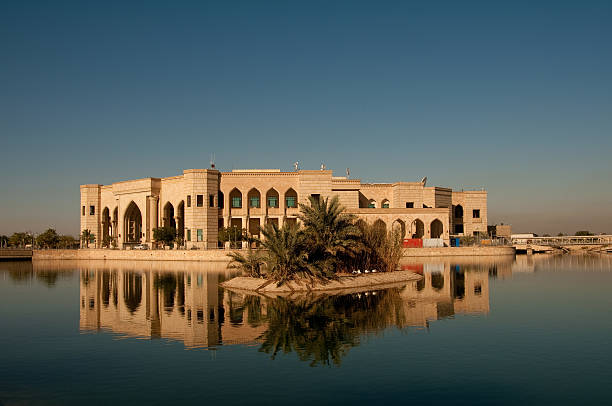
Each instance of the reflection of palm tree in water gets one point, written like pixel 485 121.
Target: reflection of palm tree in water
pixel 323 329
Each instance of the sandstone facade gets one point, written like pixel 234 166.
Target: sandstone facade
pixel 201 201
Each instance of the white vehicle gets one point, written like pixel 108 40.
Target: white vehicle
pixel 141 247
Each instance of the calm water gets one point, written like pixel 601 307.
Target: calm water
pixel 493 330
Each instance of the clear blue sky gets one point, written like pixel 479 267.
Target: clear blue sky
pixel 514 96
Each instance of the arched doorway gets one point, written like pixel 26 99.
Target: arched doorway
pixel 436 228
pixel 400 227
pixel 115 222
pixel 418 229
pixel 458 211
pixel 106 227
pixel 168 219
pixel 133 224
pixel 180 227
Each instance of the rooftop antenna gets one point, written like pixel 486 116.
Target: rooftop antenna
pixel 348 173
pixel 322 166
pixel 212 161
pixel 296 165
pixel 424 180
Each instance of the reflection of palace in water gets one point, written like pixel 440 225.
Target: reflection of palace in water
pixel 189 306
pixel 447 288
pixel 186 306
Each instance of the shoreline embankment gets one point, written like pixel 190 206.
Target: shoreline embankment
pixel 379 280
pixel 221 254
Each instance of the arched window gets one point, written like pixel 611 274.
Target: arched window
pixel 272 199
pixel 291 198
pixel 254 198
pixel 236 199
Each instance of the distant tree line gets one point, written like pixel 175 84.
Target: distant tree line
pixel 48 239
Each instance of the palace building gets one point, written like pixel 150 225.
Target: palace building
pixel 201 201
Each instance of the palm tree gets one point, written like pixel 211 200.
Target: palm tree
pixel 286 252
pixel 331 235
pixel 250 265
pixel 87 237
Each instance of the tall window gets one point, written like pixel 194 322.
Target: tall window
pixel 476 213
pixel 189 201
pixel 254 201
pixel 290 200
pixel 200 200
pixel 200 235
pixel 188 235
pixel 410 205
pixel 272 201
pixel 92 210
pixel 211 200
pixel 83 210
pixel 236 202
pixel 385 205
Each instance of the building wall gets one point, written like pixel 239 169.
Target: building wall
pixel 205 183
pixel 152 195
pixel 90 197
pixel 405 192
pixel 378 193
pixel 470 201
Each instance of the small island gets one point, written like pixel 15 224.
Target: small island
pixel 329 250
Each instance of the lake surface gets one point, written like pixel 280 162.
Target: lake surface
pixel 504 330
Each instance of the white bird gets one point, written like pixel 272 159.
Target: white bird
pixel 373 270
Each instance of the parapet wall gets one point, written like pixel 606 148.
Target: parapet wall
pixel 221 255
pixel 458 251
pixel 135 255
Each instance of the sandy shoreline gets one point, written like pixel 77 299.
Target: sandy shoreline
pixel 378 280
